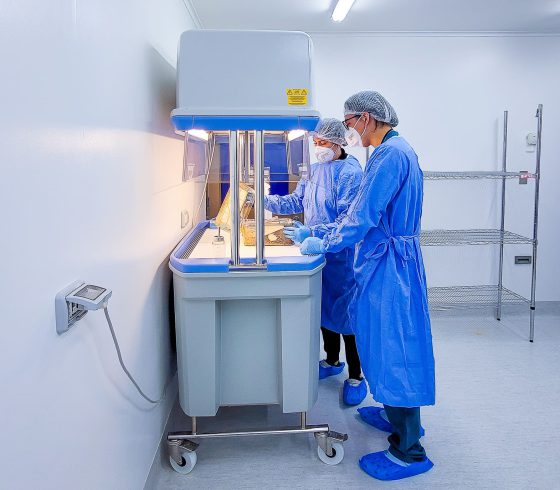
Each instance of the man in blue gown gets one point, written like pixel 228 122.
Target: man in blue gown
pixel 392 323
pixel 324 198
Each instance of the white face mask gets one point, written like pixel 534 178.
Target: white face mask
pixel 352 137
pixel 324 154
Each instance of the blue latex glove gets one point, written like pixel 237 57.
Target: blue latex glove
pixel 312 246
pixel 297 233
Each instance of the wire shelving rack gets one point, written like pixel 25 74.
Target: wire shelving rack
pixel 496 295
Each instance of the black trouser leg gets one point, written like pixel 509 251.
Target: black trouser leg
pixel 352 358
pixel 331 344
pixel 405 439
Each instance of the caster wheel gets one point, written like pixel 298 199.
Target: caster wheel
pixel 337 457
pixel 188 460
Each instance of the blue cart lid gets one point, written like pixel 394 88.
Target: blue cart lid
pixel 221 265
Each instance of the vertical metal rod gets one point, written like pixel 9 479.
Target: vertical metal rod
pixel 207 168
pixel 536 223
pixel 185 158
pixel 194 429
pixel 241 155
pixel 288 152
pixel 234 197
pixel 303 420
pixel 502 219
pixel 259 201
pixel 247 159
pixel 306 155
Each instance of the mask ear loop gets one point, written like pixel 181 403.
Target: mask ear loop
pixel 365 124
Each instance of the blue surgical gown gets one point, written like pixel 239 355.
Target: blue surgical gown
pixel 392 323
pixel 324 198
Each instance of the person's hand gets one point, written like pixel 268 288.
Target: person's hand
pixel 312 246
pixel 266 186
pixel 297 233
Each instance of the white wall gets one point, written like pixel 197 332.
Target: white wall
pixel 90 188
pixel 450 94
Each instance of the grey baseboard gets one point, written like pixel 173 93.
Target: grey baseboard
pixel 160 458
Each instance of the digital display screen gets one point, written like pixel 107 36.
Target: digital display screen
pixel 90 292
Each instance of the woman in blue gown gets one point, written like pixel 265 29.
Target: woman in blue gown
pixel 324 198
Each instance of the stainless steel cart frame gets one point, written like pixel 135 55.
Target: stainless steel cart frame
pixel 182 449
pixel 181 445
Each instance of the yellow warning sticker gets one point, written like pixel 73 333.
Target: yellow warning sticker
pixel 297 96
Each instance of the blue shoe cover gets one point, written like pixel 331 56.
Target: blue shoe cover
pixel 325 372
pixel 372 416
pixel 379 466
pixel 354 395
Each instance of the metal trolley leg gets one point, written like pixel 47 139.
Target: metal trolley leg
pixel 182 450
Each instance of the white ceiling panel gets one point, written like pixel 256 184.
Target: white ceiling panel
pixel 429 16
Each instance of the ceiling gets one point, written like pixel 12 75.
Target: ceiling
pixel 428 16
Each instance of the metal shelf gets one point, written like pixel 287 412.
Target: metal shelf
pixel 457 297
pixel 495 295
pixel 471 237
pixel 471 175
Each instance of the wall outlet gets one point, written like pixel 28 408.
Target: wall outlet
pixel 67 313
pixel 531 141
pixel 185 218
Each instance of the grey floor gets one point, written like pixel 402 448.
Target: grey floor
pixel 496 423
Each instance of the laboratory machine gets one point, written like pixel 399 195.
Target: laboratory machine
pixel 247 302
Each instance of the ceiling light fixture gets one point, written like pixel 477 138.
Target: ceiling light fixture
pixel 199 133
pixel 341 10
pixel 294 134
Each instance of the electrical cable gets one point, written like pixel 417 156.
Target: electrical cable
pixel 124 368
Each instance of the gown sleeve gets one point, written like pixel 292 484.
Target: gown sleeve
pixel 289 204
pixel 347 185
pixel 381 182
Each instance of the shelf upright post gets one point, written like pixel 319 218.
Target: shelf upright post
pixel 502 219
pixel 536 222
